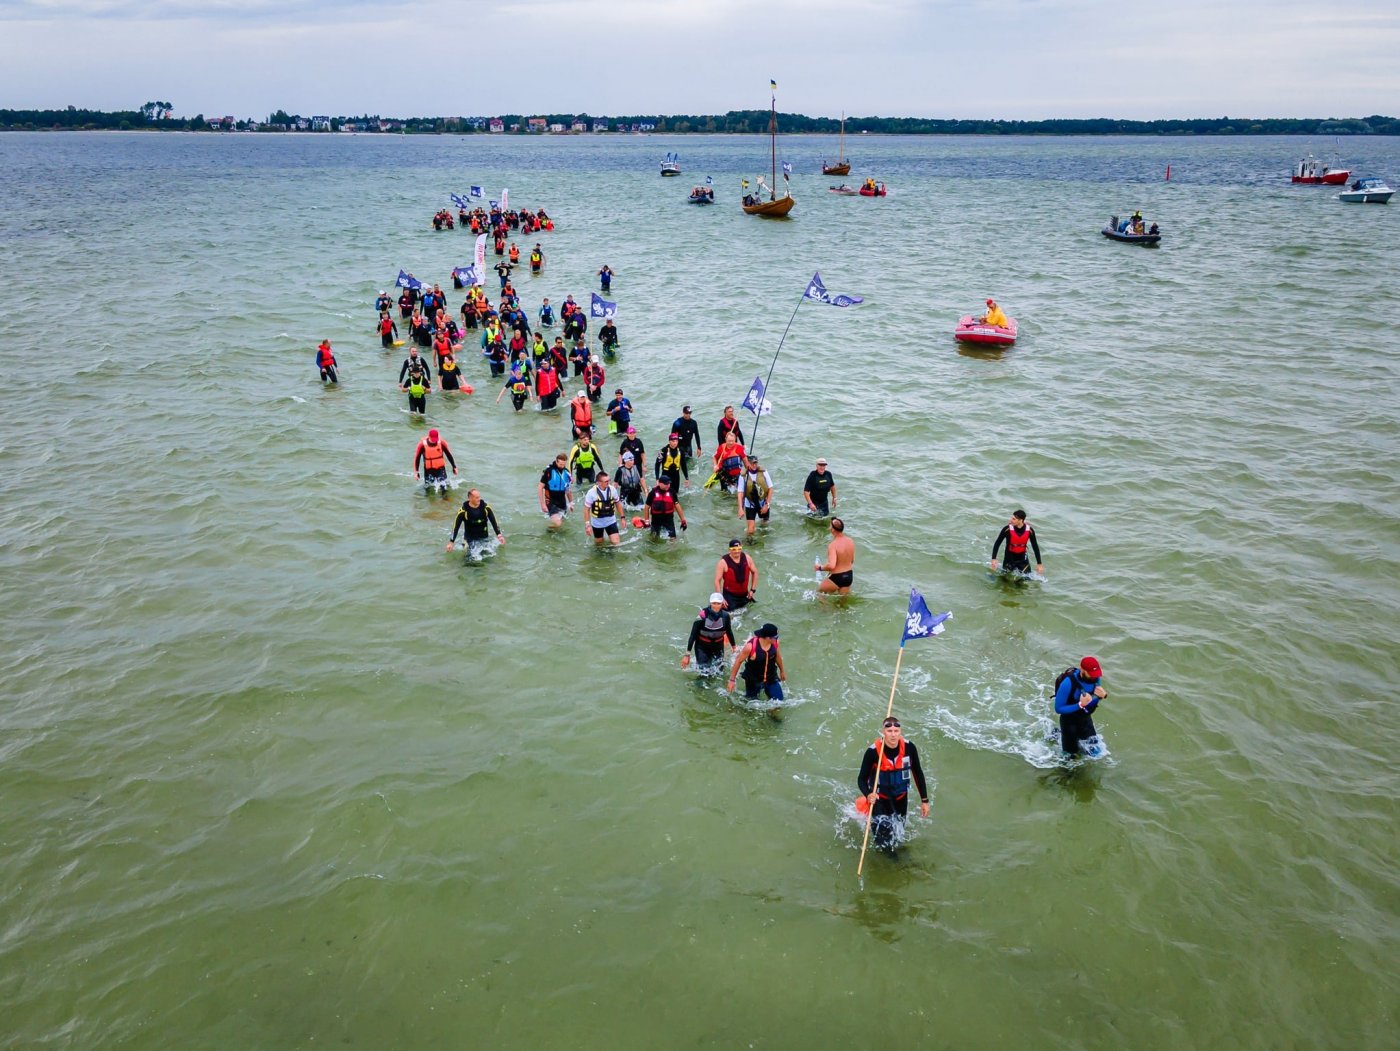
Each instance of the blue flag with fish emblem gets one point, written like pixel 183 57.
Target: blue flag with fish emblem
pixel 817 292
pixel 476 191
pixel 754 400
pixel 920 623
pixel 600 307
pixel 407 280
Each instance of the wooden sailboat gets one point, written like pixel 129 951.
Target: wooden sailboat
pixel 842 166
pixel 775 207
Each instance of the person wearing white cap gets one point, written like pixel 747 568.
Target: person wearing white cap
pixel 629 481
pixel 581 411
pixel 820 490
pixel 383 303
pixel 710 636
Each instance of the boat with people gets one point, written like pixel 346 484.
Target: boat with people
pixel 842 166
pixel 844 190
pixel 1312 172
pixel 671 165
pixel 973 329
pixel 753 203
pixel 1132 230
pixel 702 195
pixel 871 188
pixel 1366 191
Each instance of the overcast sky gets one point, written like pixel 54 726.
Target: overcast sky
pixel 1026 59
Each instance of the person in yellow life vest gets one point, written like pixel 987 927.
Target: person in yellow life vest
pixel 581 410
pixel 536 260
pixel 434 455
pixel 994 315
pixel 870 184
pixel 585 459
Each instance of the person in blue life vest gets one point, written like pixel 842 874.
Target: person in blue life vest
pixel 556 491
pixel 1018 534
pixel 1077 694
pixel 885 774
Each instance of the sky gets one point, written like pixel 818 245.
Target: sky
pixel 1014 59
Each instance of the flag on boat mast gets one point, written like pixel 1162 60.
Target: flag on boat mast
pixel 773 85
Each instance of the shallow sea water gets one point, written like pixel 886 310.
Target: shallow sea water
pixel 278 772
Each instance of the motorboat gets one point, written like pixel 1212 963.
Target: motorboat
pixel 871 188
pixel 844 190
pixel 671 165
pixel 1366 191
pixel 702 195
pixel 1123 231
pixel 971 329
pixel 1312 172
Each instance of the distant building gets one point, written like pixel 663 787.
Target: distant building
pixel 557 129
pixel 477 122
pixel 645 127
pixel 320 124
pixel 538 125
pixel 579 126
pixel 303 124
pixel 496 127
pixel 600 125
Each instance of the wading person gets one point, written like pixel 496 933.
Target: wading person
pixel 601 505
pixel 885 773
pixel 434 455
pixel 820 490
pixel 710 635
pixel 477 522
pixel 1077 694
pixel 556 491
pixel 840 561
pixel 1017 535
pixel 760 664
pixel 736 576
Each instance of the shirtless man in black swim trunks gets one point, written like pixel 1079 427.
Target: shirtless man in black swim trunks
pixel 840 561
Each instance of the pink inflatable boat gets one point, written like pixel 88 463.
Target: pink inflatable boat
pixel 970 330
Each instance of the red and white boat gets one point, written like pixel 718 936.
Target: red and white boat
pixel 972 330
pixel 1312 172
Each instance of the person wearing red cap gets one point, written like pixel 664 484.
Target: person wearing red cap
pixel 994 315
pixel 434 455
pixel 1077 694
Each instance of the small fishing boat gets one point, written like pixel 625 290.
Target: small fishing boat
pixel 1312 172
pixel 844 190
pixel 671 165
pixel 775 207
pixel 842 166
pixel 702 195
pixel 971 330
pixel 871 188
pixel 1366 191
pixel 1123 231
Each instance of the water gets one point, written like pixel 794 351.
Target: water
pixel 279 772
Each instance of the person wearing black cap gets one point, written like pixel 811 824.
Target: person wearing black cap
pixel 736 576
pixel 670 462
pixel 1017 534
pixel 1077 694
pixel 762 664
pixel 885 772
pixel 660 510
pixel 688 431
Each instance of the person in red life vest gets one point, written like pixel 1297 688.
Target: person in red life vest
pixel 1018 535
pixel 885 772
pixel 660 510
pixel 729 463
pixel 432 452
pixel 388 331
pixel 547 385
pixel 736 576
pixel 594 376
pixel 729 426
pixel 581 412
pixel 406 302
pixel 760 664
pixel 325 361
pixel 710 635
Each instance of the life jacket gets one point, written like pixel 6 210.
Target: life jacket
pixel 386 325
pixel 547 315
pixel 417 383
pixel 754 653
pixel 671 459
pixel 594 375
pixel 536 259
pixel 712 625
pixel 559 479
pixel 733 582
pixel 733 463
pixel 755 488
pixel 514 254
pixel 476 519
pixel 604 502
pixel 324 358
pixel 629 478
pixel 585 458
pixel 518 385
pixel 1016 542
pixel 663 503
pixel 448 364
pixel 582 413
pixel 432 454
pixel 893 780
pixel 548 381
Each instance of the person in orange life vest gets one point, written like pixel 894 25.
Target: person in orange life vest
pixel 442 346
pixel 729 463
pixel 432 452
pixel 660 510
pixel 581 411
pixel 547 385
pixel 885 772
pixel 325 361
pixel 736 576
pixel 1018 534
pixel 762 665
pixel 388 331
pixel 514 253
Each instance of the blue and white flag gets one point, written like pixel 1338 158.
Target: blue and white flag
pixel 787 170
pixel 476 191
pixel 920 623
pixel 709 181
pixel 600 307
pixel 458 200
pixel 407 280
pixel 754 400
pixel 817 292
pixel 494 204
pixel 467 274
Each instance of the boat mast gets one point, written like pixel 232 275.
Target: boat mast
pixel 841 147
pixel 773 145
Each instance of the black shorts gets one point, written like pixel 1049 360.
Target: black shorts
pixel 753 514
pixel 558 503
pixel 663 528
pixel 843 580
pixel 735 601
pixel 601 531
pixel 1017 564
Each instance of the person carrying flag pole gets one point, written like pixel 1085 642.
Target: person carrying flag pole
pixel 892 760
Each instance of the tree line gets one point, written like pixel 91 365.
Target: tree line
pixel 158 116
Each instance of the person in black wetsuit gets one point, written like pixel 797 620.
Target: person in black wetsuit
pixel 885 772
pixel 1017 534
pixel 820 490
pixel 476 521
pixel 688 431
pixel 729 425
pixel 709 636
pixel 413 361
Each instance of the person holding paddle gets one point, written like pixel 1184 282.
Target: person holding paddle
pixel 885 772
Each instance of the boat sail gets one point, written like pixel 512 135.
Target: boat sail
pixel 842 166
pixel 775 206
